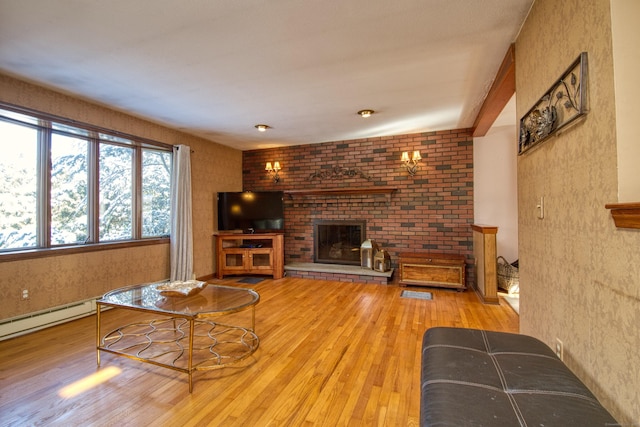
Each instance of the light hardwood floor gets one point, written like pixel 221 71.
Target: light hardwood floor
pixel 331 354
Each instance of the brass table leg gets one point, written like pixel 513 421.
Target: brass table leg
pixel 98 333
pixel 253 319
pixel 191 333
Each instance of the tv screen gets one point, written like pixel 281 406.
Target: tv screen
pixel 259 211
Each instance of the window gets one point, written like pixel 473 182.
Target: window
pixel 63 184
pixel 69 190
pixel 116 189
pixel 18 186
pixel 156 191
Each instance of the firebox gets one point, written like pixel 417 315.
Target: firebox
pixel 338 241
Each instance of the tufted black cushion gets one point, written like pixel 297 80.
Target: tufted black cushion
pixel 472 377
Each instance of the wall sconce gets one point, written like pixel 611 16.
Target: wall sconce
pixel 273 171
pixel 411 163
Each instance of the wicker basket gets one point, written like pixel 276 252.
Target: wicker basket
pixel 508 276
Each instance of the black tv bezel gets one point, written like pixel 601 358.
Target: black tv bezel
pixel 225 224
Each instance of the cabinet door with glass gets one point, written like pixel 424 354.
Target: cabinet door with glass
pixel 259 260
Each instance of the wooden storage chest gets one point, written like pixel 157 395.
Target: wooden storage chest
pixel 433 269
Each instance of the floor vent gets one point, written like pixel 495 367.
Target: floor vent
pixel 16 326
pixel 416 295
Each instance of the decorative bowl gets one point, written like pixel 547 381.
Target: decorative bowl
pixel 179 288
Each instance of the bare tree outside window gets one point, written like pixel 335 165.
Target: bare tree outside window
pixel 18 186
pixel 69 190
pixel 156 191
pixel 116 210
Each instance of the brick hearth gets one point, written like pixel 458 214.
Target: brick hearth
pixel 341 273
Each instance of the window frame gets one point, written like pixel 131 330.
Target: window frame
pixel 95 136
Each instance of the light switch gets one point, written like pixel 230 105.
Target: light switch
pixel 540 208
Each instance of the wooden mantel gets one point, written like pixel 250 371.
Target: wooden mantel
pixel 341 191
pixel 625 215
pixel 350 191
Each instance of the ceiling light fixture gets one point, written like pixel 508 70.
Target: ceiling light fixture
pixel 262 128
pixel 365 113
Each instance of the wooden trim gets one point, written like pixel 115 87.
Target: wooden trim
pixel 487 299
pixel 502 89
pixel 485 229
pixel 78 249
pixel 485 255
pixel 625 215
pixel 136 140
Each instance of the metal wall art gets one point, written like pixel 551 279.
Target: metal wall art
pixel 563 103
pixel 338 172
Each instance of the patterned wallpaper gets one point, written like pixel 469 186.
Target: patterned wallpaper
pixel 58 280
pixel 579 275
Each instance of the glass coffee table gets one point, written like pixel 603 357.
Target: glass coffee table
pixel 184 337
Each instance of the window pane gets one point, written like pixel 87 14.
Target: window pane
pixel 69 129
pixel 115 192
pixel 156 189
pixel 19 117
pixel 106 137
pixel 69 191
pixel 18 186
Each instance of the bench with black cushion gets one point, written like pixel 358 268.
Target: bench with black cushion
pixel 472 377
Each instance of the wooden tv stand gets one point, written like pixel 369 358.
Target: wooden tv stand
pixel 260 253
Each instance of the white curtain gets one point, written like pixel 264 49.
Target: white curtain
pixel 181 225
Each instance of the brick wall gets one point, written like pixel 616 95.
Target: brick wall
pixel 431 211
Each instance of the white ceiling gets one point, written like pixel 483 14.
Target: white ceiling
pixel 216 68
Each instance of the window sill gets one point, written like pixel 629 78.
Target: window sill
pixel 78 249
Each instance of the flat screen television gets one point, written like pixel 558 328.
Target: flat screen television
pixel 251 211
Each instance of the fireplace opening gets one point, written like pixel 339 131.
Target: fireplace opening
pixel 338 242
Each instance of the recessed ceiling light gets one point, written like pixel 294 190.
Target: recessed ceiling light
pixel 263 128
pixel 365 113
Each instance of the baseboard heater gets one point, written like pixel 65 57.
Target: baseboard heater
pixel 20 325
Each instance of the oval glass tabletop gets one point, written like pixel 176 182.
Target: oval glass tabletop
pixel 212 300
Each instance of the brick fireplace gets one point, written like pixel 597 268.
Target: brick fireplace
pixel 431 211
